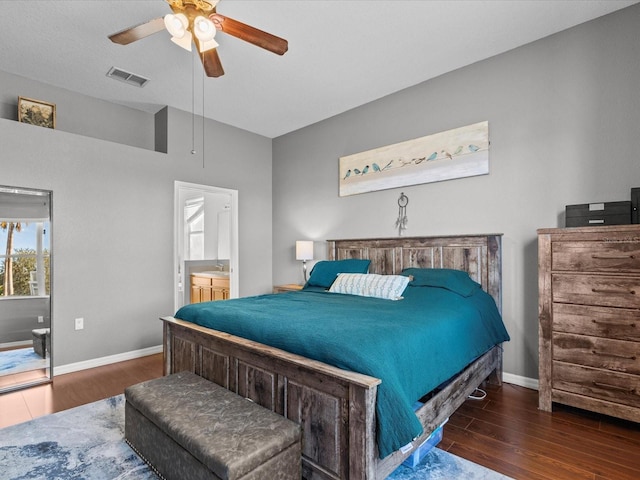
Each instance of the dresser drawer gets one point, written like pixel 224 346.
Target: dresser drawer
pixel 615 355
pixel 615 323
pixel 618 256
pixel 607 291
pixel 602 384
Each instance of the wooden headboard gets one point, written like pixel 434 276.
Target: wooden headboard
pixel 478 255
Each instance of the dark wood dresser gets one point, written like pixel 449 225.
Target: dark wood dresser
pixel 589 314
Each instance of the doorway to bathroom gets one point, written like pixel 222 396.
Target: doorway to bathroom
pixel 205 243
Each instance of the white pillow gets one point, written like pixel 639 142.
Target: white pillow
pixel 389 287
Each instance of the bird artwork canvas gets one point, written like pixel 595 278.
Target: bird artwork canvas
pixel 457 153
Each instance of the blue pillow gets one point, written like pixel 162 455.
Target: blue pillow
pixel 325 272
pixel 456 281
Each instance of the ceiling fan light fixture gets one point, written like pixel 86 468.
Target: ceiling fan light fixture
pixel 176 24
pixel 204 28
pixel 196 21
pixel 184 41
pixel 207 45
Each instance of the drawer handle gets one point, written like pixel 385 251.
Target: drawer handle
pixel 604 290
pixel 612 324
pixel 613 387
pixel 612 257
pixel 614 355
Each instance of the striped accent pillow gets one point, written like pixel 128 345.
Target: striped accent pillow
pixel 389 287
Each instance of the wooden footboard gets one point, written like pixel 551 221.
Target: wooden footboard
pixel 336 408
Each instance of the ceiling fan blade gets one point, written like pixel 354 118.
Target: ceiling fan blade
pixel 211 63
pixel 137 32
pixel 250 34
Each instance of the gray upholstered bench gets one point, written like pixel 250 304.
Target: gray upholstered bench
pixel 41 341
pixel 187 427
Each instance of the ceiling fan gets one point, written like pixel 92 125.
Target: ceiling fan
pixel 197 21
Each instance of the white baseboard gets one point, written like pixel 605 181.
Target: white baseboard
pixel 99 362
pixel 22 343
pixel 525 382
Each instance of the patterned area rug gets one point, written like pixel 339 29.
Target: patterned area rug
pixel 20 360
pixel 87 442
pixel 441 465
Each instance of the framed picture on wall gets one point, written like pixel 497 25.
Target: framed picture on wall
pixel 36 112
pixel 456 153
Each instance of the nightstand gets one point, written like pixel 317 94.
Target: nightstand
pixel 289 287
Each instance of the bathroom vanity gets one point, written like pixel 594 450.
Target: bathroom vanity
pixel 209 286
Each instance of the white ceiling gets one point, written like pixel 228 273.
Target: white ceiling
pixel 342 54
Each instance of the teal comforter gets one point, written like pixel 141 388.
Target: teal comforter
pixel 413 345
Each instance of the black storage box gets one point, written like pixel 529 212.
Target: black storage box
pixel 635 203
pixel 590 214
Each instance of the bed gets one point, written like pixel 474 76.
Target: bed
pixel 337 407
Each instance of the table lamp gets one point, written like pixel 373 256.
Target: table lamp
pixel 304 252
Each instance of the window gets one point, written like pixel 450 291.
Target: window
pixel 24 257
pixel 194 220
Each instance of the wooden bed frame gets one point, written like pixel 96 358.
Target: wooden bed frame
pixel 336 408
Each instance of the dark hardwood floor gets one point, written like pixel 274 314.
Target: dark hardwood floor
pixel 78 388
pixel 505 432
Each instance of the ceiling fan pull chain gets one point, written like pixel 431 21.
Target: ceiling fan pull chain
pixel 202 111
pixel 193 106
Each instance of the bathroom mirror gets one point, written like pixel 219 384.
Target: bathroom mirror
pixel 25 287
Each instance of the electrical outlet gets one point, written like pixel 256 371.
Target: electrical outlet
pixel 79 323
pixel 40 319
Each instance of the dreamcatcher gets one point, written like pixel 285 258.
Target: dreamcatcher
pixel 401 222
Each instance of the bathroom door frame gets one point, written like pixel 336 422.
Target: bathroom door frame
pixel 180 283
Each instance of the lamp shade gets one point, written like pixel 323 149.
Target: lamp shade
pixel 304 250
pixel 184 41
pixel 205 30
pixel 177 25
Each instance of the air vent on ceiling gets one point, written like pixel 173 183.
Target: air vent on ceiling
pixel 127 77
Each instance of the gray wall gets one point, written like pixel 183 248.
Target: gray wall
pixel 564 118
pixel 113 222
pixel 18 316
pixel 564 124
pixel 80 114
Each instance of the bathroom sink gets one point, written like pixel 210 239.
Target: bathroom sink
pixel 214 273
